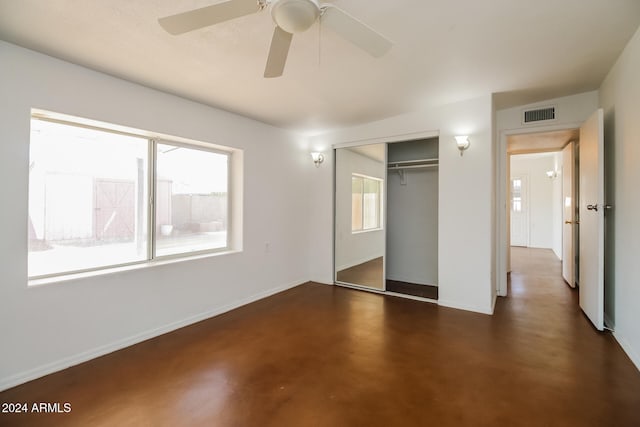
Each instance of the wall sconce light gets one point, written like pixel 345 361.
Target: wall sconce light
pixel 462 142
pixel 317 158
pixel 552 174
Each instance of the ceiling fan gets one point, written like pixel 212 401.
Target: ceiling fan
pixel 290 17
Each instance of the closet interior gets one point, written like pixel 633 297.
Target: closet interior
pixel 386 217
pixel 412 218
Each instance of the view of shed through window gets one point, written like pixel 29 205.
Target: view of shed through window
pixel 90 203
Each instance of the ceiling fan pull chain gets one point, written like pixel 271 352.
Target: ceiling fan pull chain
pixel 320 38
pixel 323 9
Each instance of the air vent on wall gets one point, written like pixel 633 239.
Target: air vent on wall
pixel 539 115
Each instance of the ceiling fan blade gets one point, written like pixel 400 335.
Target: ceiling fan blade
pixel 278 53
pixel 206 16
pixel 355 31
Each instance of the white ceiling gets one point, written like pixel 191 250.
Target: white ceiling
pixel 445 51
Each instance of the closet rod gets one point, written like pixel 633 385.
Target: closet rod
pixel 412 167
pixel 412 162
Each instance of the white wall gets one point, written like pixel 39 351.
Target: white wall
pixel 354 248
pixel 320 244
pixel 571 112
pixel 49 327
pixel 465 231
pixel 620 98
pixel 543 201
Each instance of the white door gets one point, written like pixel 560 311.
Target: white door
pixel 519 211
pixel 592 206
pixel 568 215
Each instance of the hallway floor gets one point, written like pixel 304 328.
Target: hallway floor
pixel 321 355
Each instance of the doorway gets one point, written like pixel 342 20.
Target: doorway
pixel 541 196
pixel 536 201
pixel 589 214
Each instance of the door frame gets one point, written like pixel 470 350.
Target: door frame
pixel 503 257
pixel 569 183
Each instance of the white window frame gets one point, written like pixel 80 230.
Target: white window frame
pixel 380 206
pixel 153 190
pixel 152 141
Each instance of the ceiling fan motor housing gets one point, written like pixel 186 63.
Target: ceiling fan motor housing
pixel 295 16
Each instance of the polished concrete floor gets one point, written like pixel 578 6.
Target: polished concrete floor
pixel 328 356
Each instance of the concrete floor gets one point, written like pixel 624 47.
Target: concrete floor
pixel 328 356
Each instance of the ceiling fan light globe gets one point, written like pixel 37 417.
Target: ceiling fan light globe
pixel 295 16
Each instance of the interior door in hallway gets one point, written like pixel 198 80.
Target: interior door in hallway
pixel 568 215
pixel 591 212
pixel 519 211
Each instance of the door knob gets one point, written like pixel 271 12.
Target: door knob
pixel 568 222
pixel 592 208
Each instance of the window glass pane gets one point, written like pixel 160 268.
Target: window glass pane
pixel 371 204
pixel 517 204
pixel 191 199
pixel 87 198
pixel 356 203
pixel 516 195
pixel 517 184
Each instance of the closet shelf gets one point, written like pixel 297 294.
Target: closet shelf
pixel 413 164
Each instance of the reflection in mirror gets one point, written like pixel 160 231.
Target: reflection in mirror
pixel 359 233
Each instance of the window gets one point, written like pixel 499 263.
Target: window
pixel 516 195
pixel 101 198
pixel 366 203
pixel 191 199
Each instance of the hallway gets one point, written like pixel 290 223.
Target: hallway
pixel 560 354
pixel 320 355
pixel 537 289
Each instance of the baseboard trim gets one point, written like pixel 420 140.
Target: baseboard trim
pixel 323 282
pixel 628 349
pixel 67 362
pixel 474 308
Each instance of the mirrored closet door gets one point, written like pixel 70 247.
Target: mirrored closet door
pixel 386 223
pixel 359 233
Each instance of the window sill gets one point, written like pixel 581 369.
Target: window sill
pixel 367 231
pixel 33 283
